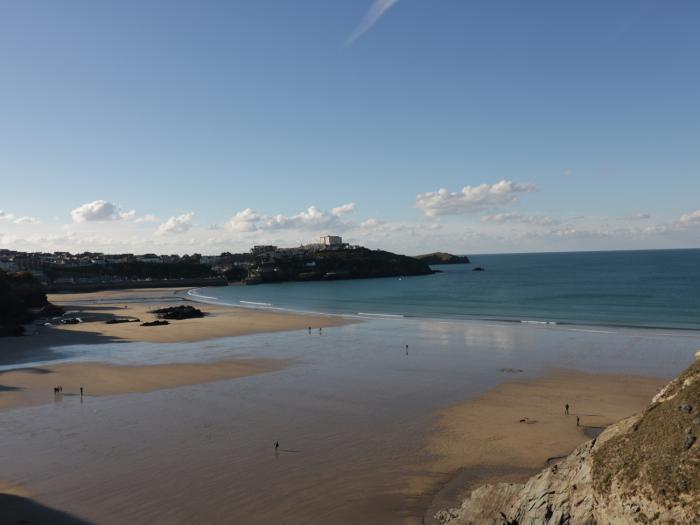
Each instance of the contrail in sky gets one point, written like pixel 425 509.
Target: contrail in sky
pixel 375 12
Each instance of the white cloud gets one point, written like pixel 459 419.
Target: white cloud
pixel 536 220
pixel 176 224
pixel 244 221
pixel 568 172
pixel 690 219
pixel 372 16
pixel 371 223
pixel 312 218
pixel 128 215
pixel 343 209
pixel 4 216
pixel 146 218
pixel 471 199
pixel 27 220
pixel 96 211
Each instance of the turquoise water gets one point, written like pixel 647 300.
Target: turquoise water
pixel 659 288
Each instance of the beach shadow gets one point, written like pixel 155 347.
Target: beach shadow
pixel 46 345
pixel 593 432
pixel 16 509
pixel 4 388
pixel 29 369
pixel 294 451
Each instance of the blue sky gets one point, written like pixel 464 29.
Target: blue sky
pixel 191 113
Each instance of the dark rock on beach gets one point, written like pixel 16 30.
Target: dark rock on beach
pixel 179 312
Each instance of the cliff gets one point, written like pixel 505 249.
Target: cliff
pixel 358 263
pixel 644 469
pixel 442 258
pixel 21 296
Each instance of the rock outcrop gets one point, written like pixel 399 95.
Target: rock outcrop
pixel 644 469
pixel 442 258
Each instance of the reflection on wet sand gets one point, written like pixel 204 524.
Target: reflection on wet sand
pixel 356 419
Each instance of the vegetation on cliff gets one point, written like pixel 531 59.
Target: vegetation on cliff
pixel 354 263
pixel 659 458
pixel 134 270
pixel 21 296
pixel 443 258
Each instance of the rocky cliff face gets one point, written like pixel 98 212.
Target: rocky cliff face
pixel 644 469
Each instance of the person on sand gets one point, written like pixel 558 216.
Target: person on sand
pixel 566 409
pixel 309 329
pixel 320 331
pixel 81 391
pixel 577 421
pixel 406 349
pixel 277 446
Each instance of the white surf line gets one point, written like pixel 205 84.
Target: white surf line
pixel 255 303
pixel 590 331
pixel 382 316
pixel 193 293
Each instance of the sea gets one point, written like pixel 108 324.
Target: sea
pixel 356 406
pixel 640 289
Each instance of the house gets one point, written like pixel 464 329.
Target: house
pixel 332 241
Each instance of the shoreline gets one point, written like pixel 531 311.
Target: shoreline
pixel 458 444
pixel 94 308
pixel 566 324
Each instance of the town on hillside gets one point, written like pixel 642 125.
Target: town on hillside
pixel 329 258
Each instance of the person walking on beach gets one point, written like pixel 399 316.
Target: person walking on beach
pixel 566 409
pixel 320 331
pixel 81 391
pixel 277 446
pixel 309 329
pixel 406 349
pixel 577 421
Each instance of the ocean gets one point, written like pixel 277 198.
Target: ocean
pixel 641 289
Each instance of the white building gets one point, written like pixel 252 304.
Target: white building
pixel 332 240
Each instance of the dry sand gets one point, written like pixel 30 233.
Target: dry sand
pixel 221 321
pixel 31 386
pixel 484 440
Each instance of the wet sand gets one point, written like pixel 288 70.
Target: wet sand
pixel 368 433
pixel 33 386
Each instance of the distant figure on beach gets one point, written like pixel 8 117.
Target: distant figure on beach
pixel 277 445
pixel 566 409
pixel 406 349
pixel 81 391
pixel 55 390
pixel 309 329
pixel 577 421
pixel 320 331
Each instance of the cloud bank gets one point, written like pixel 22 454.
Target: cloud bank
pixel 312 218
pixel 471 199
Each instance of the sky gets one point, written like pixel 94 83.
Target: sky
pixel 468 126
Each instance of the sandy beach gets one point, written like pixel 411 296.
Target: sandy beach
pixel 221 321
pixel 392 435
pixel 511 431
pixel 32 386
